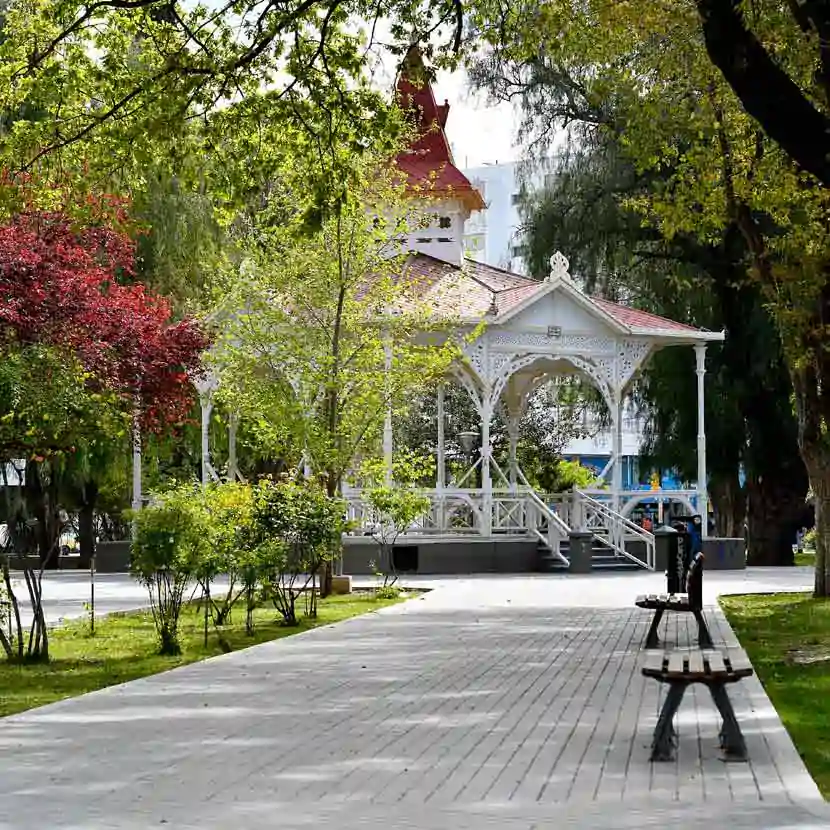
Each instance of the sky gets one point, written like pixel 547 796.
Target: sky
pixel 478 133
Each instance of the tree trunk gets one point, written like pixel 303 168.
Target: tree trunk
pixel 774 513
pixel 40 508
pixel 815 450
pixel 86 523
pixel 729 504
pixel 820 478
pixel 86 535
pixel 766 91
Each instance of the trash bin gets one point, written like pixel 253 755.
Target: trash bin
pixel 670 552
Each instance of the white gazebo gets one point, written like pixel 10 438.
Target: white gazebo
pixel 534 331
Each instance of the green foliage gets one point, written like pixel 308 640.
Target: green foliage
pixel 228 547
pixel 306 363
pixel 48 407
pixel 387 592
pixel 573 474
pixel 174 84
pixel 395 508
pixel 171 540
pixel 298 529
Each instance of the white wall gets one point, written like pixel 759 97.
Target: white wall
pixel 444 243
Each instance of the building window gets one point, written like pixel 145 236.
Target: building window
pixel 516 198
pixel 518 250
pixel 445 222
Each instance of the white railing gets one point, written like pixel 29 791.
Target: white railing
pixel 453 512
pixel 614 530
pixel 546 525
pixel 520 513
pixel 547 517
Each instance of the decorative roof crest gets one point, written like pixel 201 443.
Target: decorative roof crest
pixel 558 268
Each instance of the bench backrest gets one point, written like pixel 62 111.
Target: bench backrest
pixel 694 582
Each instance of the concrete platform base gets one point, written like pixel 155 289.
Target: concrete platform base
pixel 460 555
pixel 341 584
pixel 724 554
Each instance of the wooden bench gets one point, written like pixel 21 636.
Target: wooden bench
pixel 690 602
pixel 679 669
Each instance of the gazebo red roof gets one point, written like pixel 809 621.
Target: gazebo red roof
pixel 428 163
pixel 476 290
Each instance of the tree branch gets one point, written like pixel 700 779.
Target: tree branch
pixel 766 91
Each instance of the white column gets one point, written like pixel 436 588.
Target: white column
pixel 513 438
pixel 388 447
pixel 233 469
pixel 617 470
pixel 441 466
pixel 206 406
pixel 137 499
pixel 702 477
pixel 441 472
pixel 486 481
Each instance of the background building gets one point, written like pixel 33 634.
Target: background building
pixel 494 235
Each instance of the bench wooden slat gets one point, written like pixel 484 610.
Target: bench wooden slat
pixel 696 662
pixel 737 663
pixel 697 667
pixel 715 661
pixel 676 662
pixel 654 661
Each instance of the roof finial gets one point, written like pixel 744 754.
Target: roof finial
pixel 558 268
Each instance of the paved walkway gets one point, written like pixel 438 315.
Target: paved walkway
pixel 490 702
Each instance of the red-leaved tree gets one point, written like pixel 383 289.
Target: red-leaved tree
pixel 65 284
pixel 59 286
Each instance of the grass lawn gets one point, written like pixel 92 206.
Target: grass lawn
pixel 124 648
pixel 787 637
pixel 806 558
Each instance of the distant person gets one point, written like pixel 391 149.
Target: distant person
pixel 647 523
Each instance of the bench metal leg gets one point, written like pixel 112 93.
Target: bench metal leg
pixel 704 638
pixel 664 734
pixel 731 737
pixel 652 640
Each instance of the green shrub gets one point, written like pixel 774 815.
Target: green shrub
pixel 230 511
pixel 170 542
pixel 387 592
pixel 394 510
pixel 299 529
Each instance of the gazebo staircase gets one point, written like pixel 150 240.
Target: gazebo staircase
pixel 613 535
pixel 603 559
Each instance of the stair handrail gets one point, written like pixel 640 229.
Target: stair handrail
pixel 549 514
pixel 546 511
pixel 623 523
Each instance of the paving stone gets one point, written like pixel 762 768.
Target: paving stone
pixel 493 702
